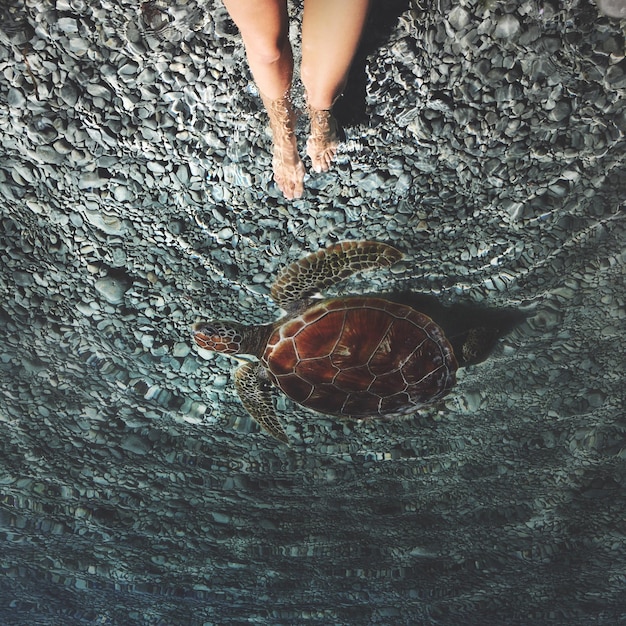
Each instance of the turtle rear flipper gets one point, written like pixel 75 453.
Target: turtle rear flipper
pixel 477 345
pixel 327 267
pixel 255 393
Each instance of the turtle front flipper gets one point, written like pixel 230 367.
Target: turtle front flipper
pixel 316 271
pixel 255 393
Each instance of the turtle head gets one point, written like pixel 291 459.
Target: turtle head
pixel 224 337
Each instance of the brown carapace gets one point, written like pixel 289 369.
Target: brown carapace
pixel 361 357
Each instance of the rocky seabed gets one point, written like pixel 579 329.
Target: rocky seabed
pixel 485 139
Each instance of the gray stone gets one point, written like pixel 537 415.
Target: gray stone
pixel 560 111
pixel 135 444
pixel 79 46
pixel 616 76
pixel 67 25
pixel 23 279
pixel 15 98
pixel 62 146
pixel 123 194
pixel 507 27
pixel 613 8
pixel 112 289
pixel 458 17
pixel 99 91
pixel 48 154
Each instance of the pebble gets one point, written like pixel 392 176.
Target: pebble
pixel 135 444
pixel 67 24
pixel 98 91
pixel 109 224
pixel 616 76
pixel 62 146
pixel 48 154
pixel 613 8
pixel 112 289
pixel 560 111
pixel 123 194
pixel 78 46
pixel 23 279
pixel 181 349
pixel 15 98
pixel 459 18
pixel 507 27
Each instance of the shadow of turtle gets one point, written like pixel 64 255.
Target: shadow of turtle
pixel 472 330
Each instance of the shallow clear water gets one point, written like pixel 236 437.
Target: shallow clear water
pixel 134 489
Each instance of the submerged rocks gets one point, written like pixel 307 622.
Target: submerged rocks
pixel 15 98
pixel 484 139
pixel 112 288
pixel 507 27
pixel 613 8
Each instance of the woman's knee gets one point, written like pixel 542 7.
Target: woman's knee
pixel 267 50
pixel 310 77
pixel 322 88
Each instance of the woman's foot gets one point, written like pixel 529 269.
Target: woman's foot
pixel 286 162
pixel 324 139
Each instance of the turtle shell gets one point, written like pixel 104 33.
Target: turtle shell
pixel 361 357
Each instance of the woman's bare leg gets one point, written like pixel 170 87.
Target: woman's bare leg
pixel 264 27
pixel 331 30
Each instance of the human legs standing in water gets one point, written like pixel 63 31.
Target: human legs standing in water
pixel 264 27
pixel 331 30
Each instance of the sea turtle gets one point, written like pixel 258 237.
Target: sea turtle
pixel 355 356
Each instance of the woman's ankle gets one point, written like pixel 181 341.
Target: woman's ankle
pixel 286 163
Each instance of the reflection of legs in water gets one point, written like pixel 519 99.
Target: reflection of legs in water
pixel 331 30
pixel 264 27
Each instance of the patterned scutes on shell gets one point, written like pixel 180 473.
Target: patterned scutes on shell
pixel 360 357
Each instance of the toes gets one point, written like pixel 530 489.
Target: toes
pixel 298 184
pixel 290 183
pixel 321 161
pixel 321 155
pixel 327 159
